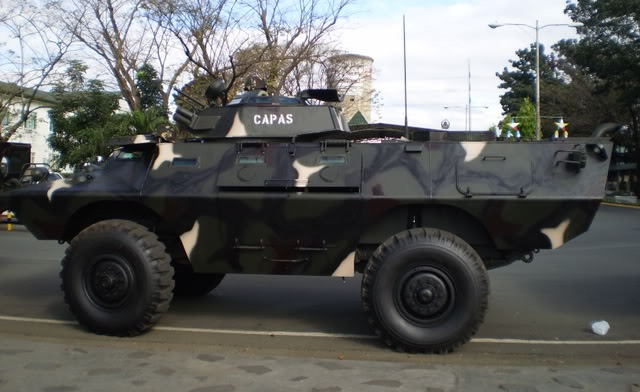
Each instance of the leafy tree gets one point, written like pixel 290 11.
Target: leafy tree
pixel 144 121
pixel 195 89
pixel 75 76
pixel 119 35
pixel 527 119
pixel 608 50
pixel 84 119
pixel 520 81
pixel 150 89
pixel 582 102
pixel 275 40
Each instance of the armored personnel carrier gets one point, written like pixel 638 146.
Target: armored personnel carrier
pixel 274 185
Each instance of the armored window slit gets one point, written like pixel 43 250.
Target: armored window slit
pixel 332 160
pixel 413 148
pixel 251 160
pixel 182 162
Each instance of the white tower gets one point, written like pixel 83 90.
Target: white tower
pixel 351 75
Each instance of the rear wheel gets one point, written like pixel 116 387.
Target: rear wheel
pixel 425 290
pixel 190 284
pixel 116 278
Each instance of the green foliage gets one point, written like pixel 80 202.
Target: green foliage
pixel 609 53
pixel 144 121
pixel 527 119
pixel 84 120
pixel 520 81
pixel 150 89
pixel 608 47
pixel 195 89
pixel 75 75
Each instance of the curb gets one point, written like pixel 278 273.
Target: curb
pixel 608 202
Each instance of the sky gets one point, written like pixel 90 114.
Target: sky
pixel 444 39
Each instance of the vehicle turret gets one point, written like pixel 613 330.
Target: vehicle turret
pixel 255 114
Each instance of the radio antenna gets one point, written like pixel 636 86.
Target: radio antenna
pixel 404 45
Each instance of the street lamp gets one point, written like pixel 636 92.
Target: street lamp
pixel 537 28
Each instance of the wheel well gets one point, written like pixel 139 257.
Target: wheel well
pixel 444 217
pixel 104 210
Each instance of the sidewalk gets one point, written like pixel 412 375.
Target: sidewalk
pixel 30 365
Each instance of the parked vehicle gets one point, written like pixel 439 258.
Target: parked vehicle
pixel 35 173
pixel 273 185
pixel 13 156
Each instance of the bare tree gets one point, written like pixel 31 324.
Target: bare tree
pixel 28 62
pixel 284 42
pixel 122 38
pixel 208 32
pixel 295 35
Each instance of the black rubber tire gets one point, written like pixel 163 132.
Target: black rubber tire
pixel 117 278
pixel 190 284
pixel 425 290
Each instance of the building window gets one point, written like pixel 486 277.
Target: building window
pixel 31 121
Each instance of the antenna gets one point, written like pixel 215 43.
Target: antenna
pixel 404 45
pixel 469 107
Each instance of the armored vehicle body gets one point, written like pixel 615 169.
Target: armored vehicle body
pixel 274 185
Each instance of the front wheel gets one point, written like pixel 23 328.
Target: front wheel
pixel 117 278
pixel 425 290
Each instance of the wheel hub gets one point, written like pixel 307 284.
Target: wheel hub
pixel 426 294
pixel 109 281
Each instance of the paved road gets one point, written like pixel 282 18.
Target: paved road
pixel 548 303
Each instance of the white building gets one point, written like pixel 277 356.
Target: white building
pixel 35 130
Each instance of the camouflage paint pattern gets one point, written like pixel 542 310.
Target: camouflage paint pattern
pixel 261 201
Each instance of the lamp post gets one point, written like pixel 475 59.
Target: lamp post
pixel 537 28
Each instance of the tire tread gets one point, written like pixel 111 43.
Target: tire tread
pixel 158 260
pixel 445 239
